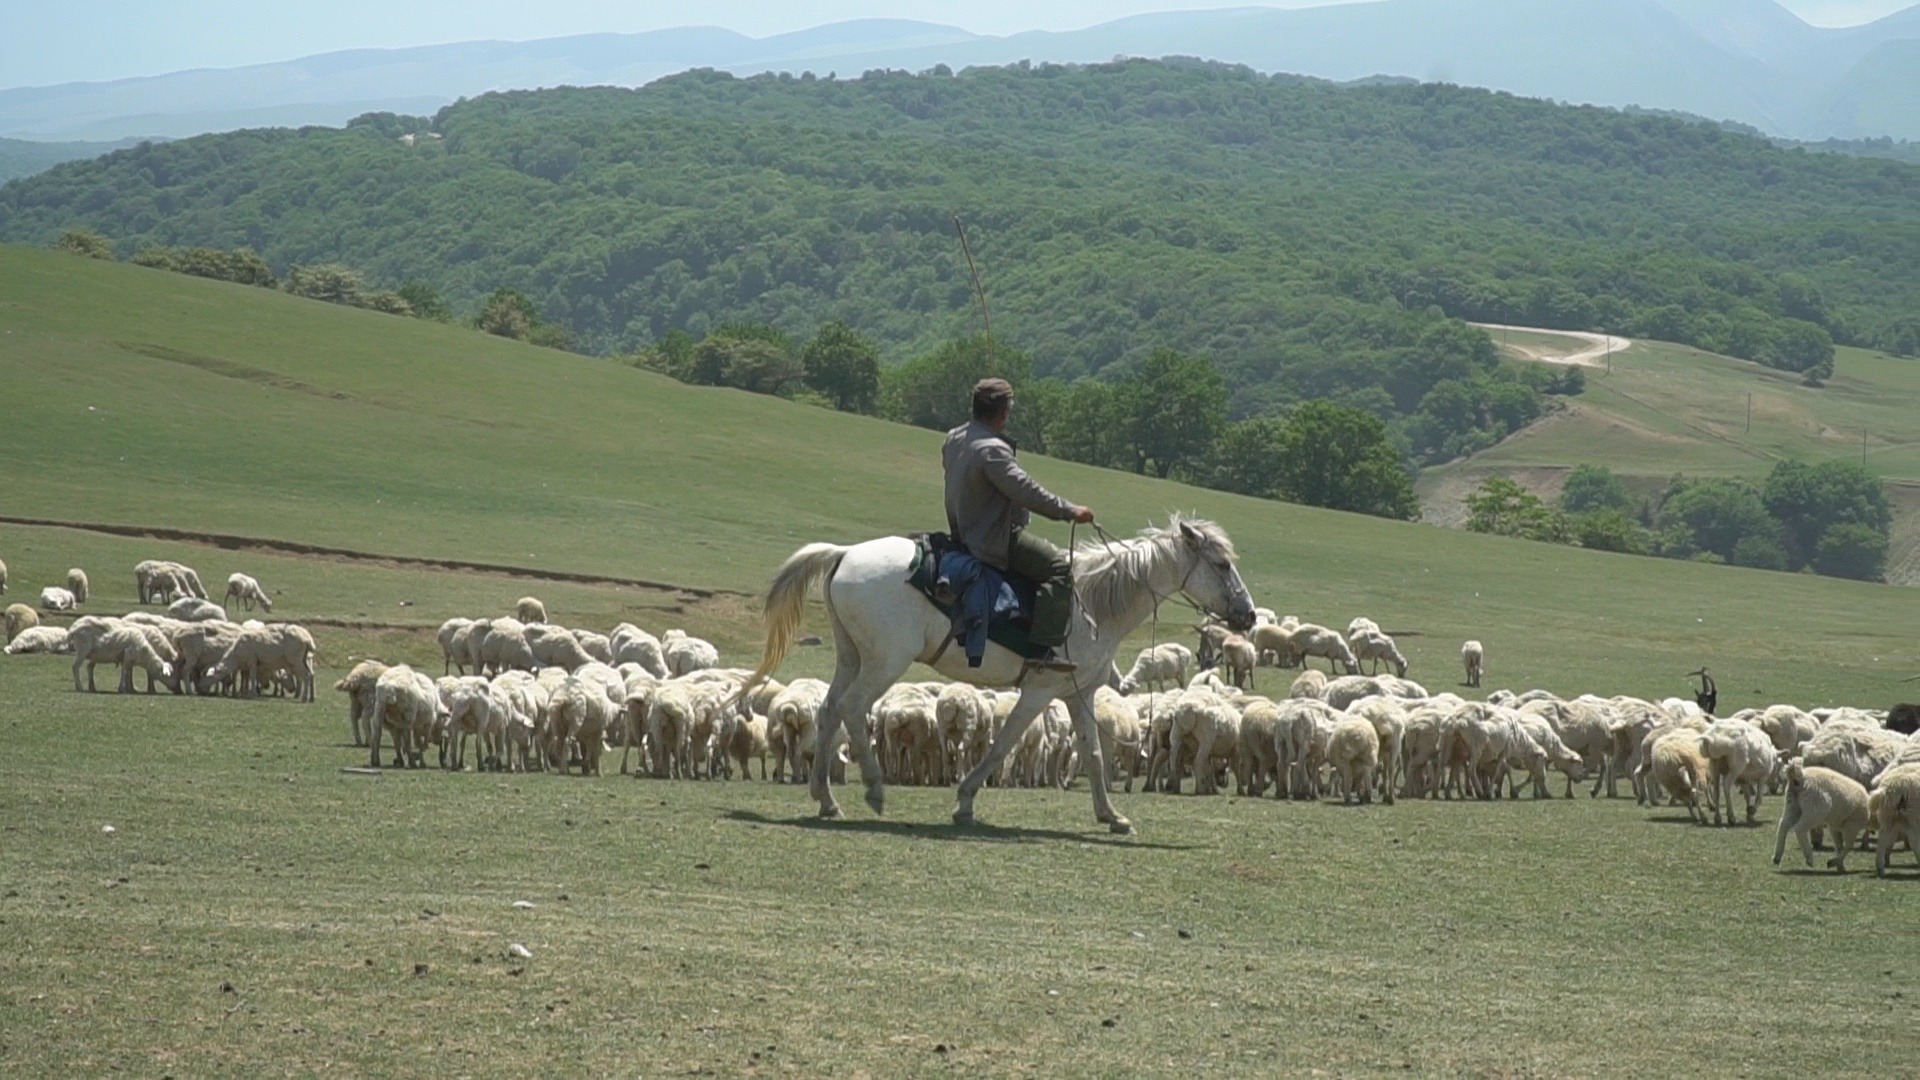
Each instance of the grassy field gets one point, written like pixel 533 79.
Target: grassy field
pixel 1667 408
pixel 256 910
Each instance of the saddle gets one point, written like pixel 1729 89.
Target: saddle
pixel 984 603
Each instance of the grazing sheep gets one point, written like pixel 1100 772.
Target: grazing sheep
pixel 1353 751
pixel 555 646
pixel 77 584
pixel 580 711
pixel 904 720
pixel 1741 756
pixel 1158 667
pixel 1342 692
pixel 670 717
pixel 112 641
pixel 1895 808
pixel 1312 683
pixel 1820 798
pixel 959 712
pixel 358 685
pixel 3 577
pixel 632 645
pixel 1361 625
pixel 1854 748
pixel 1388 715
pixel 1309 640
pixel 595 645
pixel 1679 766
pixel 248 592
pixel 38 639
pixel 529 609
pixel 1376 646
pixel 503 645
pixel 1257 761
pixel 259 656
pixel 19 617
pixel 1300 743
pixel 55 598
pixel 1237 656
pixel 193 609
pixel 1122 736
pixel 200 645
pixel 475 707
pixel 1474 656
pixel 407 704
pixel 452 637
pixel 685 655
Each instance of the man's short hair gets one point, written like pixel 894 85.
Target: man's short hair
pixel 991 397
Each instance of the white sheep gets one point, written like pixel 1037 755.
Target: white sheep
pixel 1388 715
pixel 200 645
pixel 248 592
pixel 595 645
pixel 112 641
pixel 1300 744
pixel 38 639
pixel 3 577
pixel 1311 683
pixel 555 646
pixel 1820 798
pixel 1257 760
pixel 685 655
pixel 1474 656
pixel 258 656
pixel 167 579
pixel 407 704
pixel 529 609
pixel 452 637
pixel 502 645
pixel 632 645
pixel 19 617
pixel 55 598
pixel 193 609
pixel 1679 766
pixel 1158 667
pixel 358 685
pixel 1353 752
pixel 1122 736
pixel 579 711
pixel 1361 625
pixel 1855 748
pixel 1237 656
pixel 476 708
pixel 1556 752
pixel 960 712
pixel 904 721
pixel 1376 646
pixel 77 584
pixel 1740 756
pixel 1895 808
pixel 1309 640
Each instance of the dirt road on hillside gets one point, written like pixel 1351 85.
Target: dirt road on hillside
pixel 1593 355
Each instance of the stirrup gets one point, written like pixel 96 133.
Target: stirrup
pixel 1051 660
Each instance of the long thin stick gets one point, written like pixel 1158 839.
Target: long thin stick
pixel 979 292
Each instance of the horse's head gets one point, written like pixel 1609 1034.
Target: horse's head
pixel 1213 581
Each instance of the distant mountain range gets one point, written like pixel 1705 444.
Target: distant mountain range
pixel 1750 61
pixel 24 157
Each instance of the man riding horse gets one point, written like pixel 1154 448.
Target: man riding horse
pixel 989 502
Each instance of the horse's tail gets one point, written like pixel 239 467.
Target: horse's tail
pixel 787 603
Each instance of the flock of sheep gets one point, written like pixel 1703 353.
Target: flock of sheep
pixel 191 647
pixel 531 695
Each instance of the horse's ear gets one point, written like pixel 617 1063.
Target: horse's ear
pixel 1190 534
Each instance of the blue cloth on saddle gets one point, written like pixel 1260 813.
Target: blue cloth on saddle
pixel 984 603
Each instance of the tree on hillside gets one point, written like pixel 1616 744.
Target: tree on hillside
pixel 85 243
pixel 1175 408
pixel 1594 487
pixel 1341 458
pixel 933 391
pixel 1504 508
pixel 1249 458
pixel 333 283
pixel 1852 550
pixel 425 300
pixel 1608 529
pixel 1808 500
pixel 1086 422
pixel 1718 513
pixel 752 358
pixel 508 313
pixel 843 366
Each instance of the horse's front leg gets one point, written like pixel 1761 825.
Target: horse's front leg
pixel 1081 708
pixel 1025 711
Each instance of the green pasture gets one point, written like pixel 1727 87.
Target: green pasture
pixel 257 911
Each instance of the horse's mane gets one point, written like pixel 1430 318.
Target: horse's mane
pixel 1107 575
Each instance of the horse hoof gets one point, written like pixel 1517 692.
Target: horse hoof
pixel 831 813
pixel 963 817
pixel 877 800
pixel 1120 827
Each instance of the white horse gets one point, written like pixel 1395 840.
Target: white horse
pixel 882 625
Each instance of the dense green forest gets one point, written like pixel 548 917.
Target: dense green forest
pixel 1309 241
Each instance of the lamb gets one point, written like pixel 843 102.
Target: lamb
pixel 1680 768
pixel 77 584
pixel 1309 640
pixel 1312 683
pixel 193 609
pixel 407 704
pixel 1158 667
pixel 248 592
pixel 19 617
pixel 120 643
pixel 746 740
pixel 685 655
pixel 595 645
pixel 1895 809
pixel 1740 755
pixel 55 598
pixel 358 685
pixel 632 645
pixel 38 639
pixel 1376 646
pixel 1353 750
pixel 529 610
pixel 1238 657
pixel 555 646
pixel 1820 798
pixel 1474 656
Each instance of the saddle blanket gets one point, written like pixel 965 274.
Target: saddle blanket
pixel 983 603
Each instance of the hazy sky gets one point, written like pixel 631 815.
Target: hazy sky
pixel 50 41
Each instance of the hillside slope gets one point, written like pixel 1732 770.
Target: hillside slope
pixel 158 399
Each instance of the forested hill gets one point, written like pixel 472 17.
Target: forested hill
pixel 1297 233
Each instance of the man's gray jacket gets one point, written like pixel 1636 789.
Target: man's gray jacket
pixel 989 494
